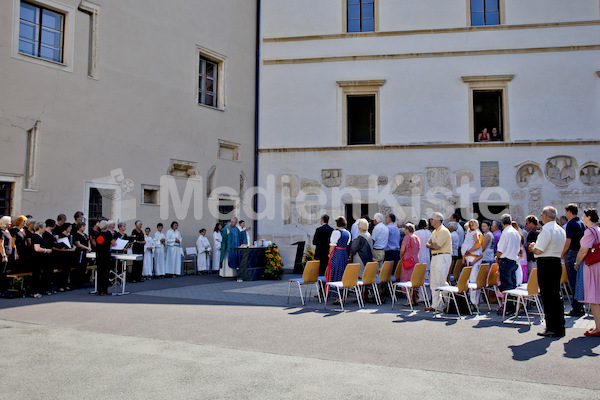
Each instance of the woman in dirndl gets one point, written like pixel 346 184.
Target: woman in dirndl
pixel 338 255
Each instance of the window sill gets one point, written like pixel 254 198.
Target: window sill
pixel 211 107
pixel 149 204
pixel 43 62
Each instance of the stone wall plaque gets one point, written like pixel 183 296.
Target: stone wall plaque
pixel 463 177
pixel 561 170
pixel 331 177
pixel 570 195
pixel 289 183
pixel 518 195
pixel 408 184
pixel 517 213
pixel 310 186
pixel 382 180
pixel 489 172
pixel 438 177
pixel 529 173
pixel 361 181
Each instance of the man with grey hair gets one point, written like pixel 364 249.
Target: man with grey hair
pixel 440 244
pixel 380 237
pixel 548 249
pixel 507 255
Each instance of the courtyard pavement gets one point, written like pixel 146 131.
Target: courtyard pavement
pixel 199 337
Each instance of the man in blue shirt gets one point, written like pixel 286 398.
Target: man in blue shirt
pixel 392 249
pixel 574 230
pixel 380 237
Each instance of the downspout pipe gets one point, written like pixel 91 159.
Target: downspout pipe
pixel 256 115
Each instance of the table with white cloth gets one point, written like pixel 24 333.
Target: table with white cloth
pixel 118 276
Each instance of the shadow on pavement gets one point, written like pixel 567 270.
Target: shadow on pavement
pixel 529 350
pixel 582 347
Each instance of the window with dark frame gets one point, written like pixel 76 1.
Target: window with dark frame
pixel 224 209
pixel 41 32
pixel 487 115
pixel 361 119
pixel 361 16
pixel 485 12
pixel 6 198
pixel 95 204
pixel 208 82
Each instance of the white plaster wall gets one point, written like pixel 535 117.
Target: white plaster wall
pixel 141 112
pixel 543 11
pixel 552 96
pixel 285 18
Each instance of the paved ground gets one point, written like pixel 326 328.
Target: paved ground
pixel 205 337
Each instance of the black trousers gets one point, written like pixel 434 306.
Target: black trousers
pixel 549 273
pixel 103 267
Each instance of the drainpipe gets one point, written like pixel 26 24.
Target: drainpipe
pixel 256 114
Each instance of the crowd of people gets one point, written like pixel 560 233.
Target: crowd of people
pixel 55 252
pixel 541 244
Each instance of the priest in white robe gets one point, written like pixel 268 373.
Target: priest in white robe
pixel 218 239
pixel 203 247
pixel 159 251
pixel 148 255
pixel 173 241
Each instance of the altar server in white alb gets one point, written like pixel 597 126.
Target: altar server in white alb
pixel 173 240
pixel 218 239
pixel 148 255
pixel 159 251
pixel 203 247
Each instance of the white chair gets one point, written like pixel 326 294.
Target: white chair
pixel 522 295
pixel 190 256
pixel 309 276
pixel 481 283
pixel 349 281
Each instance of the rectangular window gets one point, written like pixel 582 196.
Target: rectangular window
pixel 361 119
pixel 361 16
pixel 6 198
pixel 226 212
pixel 485 12
pixel 150 194
pixel 208 82
pixel 487 107
pixel 41 32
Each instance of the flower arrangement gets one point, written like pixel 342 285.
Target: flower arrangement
pixel 309 255
pixel 274 267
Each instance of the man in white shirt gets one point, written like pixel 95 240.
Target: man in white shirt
pixel 548 249
pixel 507 255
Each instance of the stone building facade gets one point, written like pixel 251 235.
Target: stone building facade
pixel 379 105
pixel 102 100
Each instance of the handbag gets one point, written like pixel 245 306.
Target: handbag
pixel 409 263
pixel 593 254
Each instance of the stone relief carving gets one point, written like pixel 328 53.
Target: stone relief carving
pixel 570 194
pixel 588 204
pixel 307 213
pixel 408 184
pixel 517 213
pixel 518 195
pixel 183 169
pixel 590 174
pixel 243 185
pixel 331 177
pixel 288 184
pixel 211 180
pixel 535 202
pixel 439 178
pixel 310 186
pixel 561 170
pixel 382 180
pixel 463 177
pixel 360 181
pixel 529 173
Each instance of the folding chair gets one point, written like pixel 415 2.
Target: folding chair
pixel 564 282
pixel 349 281
pixel 397 272
pixel 309 276
pixel 481 282
pixel 417 280
pixel 531 293
pixel 461 289
pixel 453 277
pixel 385 276
pixel 190 256
pixel 369 278
pixel 492 282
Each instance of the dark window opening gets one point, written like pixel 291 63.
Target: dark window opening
pixel 6 198
pixel 361 119
pixel 487 114
pixel 359 210
pixel 485 12
pixel 490 211
pixel 361 15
